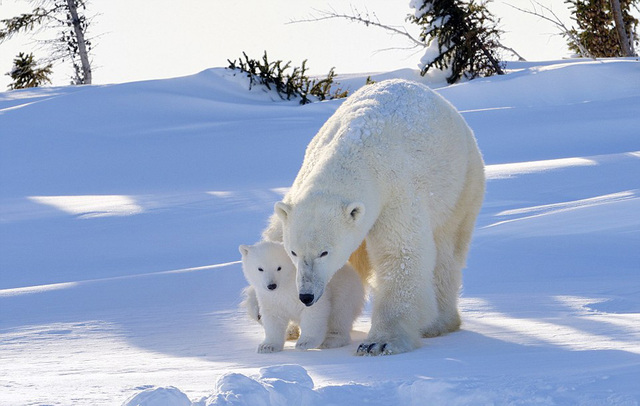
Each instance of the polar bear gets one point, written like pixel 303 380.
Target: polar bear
pixel 392 182
pixel 272 277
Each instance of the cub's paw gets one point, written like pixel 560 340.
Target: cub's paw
pixel 266 348
pixel 293 332
pixel 306 343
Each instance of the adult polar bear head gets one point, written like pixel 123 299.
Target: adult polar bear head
pixel 319 234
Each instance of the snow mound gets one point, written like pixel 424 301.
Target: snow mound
pixel 290 384
pixel 285 385
pixel 168 396
pixel 277 385
pixel 589 81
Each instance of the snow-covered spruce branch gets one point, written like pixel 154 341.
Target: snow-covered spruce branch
pixel 555 20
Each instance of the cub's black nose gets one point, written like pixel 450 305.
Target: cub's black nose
pixel 306 298
pixel 272 286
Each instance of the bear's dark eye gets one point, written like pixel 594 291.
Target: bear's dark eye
pixel 260 269
pixel 294 254
pixel 279 268
pixel 324 254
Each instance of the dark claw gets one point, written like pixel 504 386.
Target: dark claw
pixel 368 348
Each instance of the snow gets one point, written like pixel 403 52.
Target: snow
pixel 122 206
pixel 421 7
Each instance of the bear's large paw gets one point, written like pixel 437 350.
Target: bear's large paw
pixel 267 348
pixel 374 349
pixel 384 347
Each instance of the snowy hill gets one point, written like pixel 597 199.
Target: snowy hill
pixel 122 206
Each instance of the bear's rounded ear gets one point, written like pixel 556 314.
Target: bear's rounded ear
pixel 355 211
pixel 282 210
pixel 244 249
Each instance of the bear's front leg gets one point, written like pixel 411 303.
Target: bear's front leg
pixel 314 322
pixel 274 334
pixel 404 297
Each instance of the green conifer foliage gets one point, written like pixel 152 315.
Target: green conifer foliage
pixel 596 28
pixel 25 72
pixel 286 81
pixel 462 37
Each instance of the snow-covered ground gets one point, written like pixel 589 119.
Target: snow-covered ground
pixel 122 206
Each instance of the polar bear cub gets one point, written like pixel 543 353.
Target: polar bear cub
pixel 326 324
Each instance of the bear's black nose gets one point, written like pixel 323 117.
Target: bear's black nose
pixel 272 286
pixel 306 298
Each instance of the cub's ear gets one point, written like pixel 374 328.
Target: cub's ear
pixel 355 211
pixel 282 210
pixel 244 249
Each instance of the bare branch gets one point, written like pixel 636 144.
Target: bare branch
pixel 365 19
pixel 555 20
pixel 513 51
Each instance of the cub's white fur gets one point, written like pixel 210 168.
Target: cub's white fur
pixel 272 278
pixel 393 182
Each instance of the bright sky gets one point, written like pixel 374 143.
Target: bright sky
pixel 151 39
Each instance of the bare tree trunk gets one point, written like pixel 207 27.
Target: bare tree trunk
pixel 625 45
pixel 82 48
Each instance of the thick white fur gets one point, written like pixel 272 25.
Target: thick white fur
pixel 394 180
pixel 325 324
pixel 251 306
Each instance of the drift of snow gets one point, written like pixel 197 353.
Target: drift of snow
pixel 122 206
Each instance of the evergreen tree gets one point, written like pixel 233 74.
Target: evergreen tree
pixel 287 83
pixel 462 37
pixel 25 72
pixel 598 31
pixel 71 43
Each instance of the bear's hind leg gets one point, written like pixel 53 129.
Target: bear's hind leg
pixel 453 242
pixel 448 279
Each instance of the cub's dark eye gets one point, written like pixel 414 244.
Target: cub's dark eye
pixel 324 254
pixel 260 269
pixel 279 268
pixel 294 254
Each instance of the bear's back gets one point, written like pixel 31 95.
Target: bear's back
pixel 390 127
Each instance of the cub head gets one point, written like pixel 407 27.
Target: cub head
pixel 319 235
pixel 266 266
